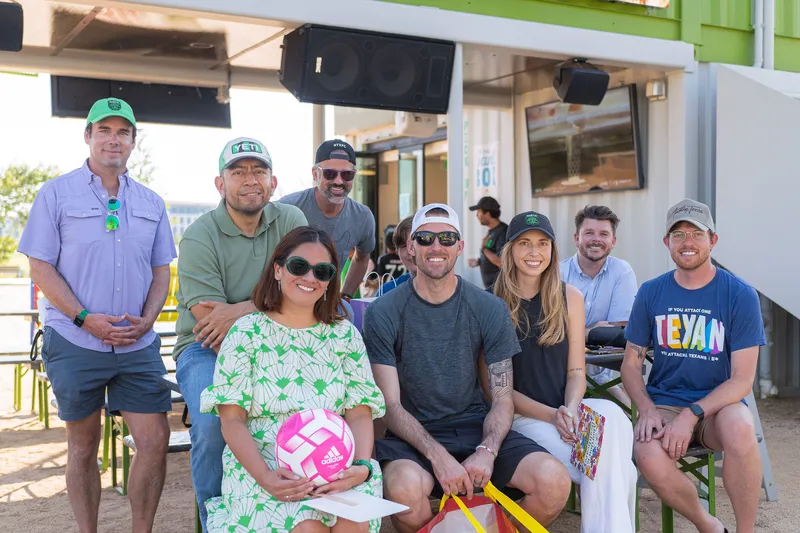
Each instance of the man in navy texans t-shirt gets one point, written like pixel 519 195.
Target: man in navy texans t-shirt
pixel 705 327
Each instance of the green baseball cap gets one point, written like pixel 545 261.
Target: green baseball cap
pixel 241 148
pixel 110 107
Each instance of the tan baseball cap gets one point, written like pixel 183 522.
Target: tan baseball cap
pixel 692 212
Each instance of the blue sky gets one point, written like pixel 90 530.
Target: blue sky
pixel 185 158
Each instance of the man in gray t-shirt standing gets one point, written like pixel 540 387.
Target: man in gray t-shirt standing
pixel 425 341
pixel 350 224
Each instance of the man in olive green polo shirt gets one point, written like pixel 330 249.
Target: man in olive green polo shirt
pixel 221 258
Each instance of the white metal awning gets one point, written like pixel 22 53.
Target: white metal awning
pixel 757 185
pixel 213 43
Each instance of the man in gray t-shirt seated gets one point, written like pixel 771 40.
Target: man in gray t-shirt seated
pixel 424 340
pixel 326 205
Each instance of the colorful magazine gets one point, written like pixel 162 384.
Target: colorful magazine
pixel 586 452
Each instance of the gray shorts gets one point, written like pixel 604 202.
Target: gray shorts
pixel 79 378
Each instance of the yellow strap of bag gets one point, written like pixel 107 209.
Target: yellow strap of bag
pixel 494 494
pixel 515 510
pixel 472 520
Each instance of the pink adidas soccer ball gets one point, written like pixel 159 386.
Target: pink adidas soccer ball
pixel 315 443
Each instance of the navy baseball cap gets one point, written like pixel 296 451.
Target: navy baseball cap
pixel 526 222
pixel 335 149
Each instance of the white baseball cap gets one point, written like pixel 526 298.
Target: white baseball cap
pixel 421 217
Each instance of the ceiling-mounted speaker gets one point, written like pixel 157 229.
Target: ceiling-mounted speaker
pixel 579 82
pixel 10 27
pixel 408 124
pixel 325 65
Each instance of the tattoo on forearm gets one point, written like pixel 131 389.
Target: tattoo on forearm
pixel 574 370
pixel 501 379
pixel 641 351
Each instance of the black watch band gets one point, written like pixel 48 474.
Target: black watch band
pixel 697 411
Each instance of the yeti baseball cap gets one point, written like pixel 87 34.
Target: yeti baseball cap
pixel 692 212
pixel 241 148
pixel 110 107
pixel 421 217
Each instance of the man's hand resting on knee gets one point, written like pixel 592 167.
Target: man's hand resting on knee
pixel 648 425
pixel 480 466
pixel 452 476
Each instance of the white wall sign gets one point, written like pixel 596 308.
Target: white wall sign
pixel 485 171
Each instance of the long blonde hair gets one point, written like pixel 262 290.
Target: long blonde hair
pixel 553 320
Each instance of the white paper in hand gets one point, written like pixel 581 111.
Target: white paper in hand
pixel 355 506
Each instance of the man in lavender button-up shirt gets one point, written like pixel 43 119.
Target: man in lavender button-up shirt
pixel 99 246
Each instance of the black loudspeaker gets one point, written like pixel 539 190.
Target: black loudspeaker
pixel 10 27
pixel 580 82
pixel 325 65
pixel 151 102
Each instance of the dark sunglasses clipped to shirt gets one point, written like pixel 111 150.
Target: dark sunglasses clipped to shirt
pixel 297 266
pixel 446 238
pixel 330 174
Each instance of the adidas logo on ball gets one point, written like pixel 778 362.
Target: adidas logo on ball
pixel 315 443
pixel 333 456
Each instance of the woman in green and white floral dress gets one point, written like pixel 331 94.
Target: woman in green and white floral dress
pixel 297 352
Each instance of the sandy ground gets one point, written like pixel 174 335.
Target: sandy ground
pixel 33 496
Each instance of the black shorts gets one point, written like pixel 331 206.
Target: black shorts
pixel 460 437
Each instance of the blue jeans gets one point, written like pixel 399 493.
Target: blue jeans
pixel 195 372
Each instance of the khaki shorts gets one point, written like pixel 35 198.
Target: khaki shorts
pixel 669 412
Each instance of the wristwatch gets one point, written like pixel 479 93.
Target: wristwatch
pixel 697 411
pixel 80 318
pixel 364 462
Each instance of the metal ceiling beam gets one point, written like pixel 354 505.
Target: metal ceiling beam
pixel 485 98
pixel 114 66
pixel 76 30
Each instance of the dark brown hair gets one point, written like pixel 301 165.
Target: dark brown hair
pixel 401 232
pixel 596 212
pixel 267 296
pixel 134 130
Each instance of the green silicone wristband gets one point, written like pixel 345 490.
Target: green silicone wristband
pixel 364 462
pixel 83 314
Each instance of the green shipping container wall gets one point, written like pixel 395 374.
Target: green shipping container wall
pixel 721 30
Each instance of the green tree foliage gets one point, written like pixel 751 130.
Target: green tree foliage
pixel 8 245
pixel 18 187
pixel 140 165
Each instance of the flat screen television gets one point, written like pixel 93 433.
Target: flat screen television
pixel 576 149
